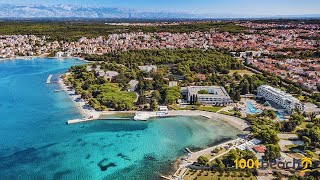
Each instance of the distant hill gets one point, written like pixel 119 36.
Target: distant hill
pixel 72 11
pixel 67 11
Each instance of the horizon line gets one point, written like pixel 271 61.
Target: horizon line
pixel 205 15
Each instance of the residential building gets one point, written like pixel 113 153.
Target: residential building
pixel 133 85
pixel 201 77
pixel 148 68
pixel 259 149
pixel 110 75
pixel 173 83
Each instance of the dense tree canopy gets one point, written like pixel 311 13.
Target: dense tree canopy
pixel 71 31
pixel 185 60
pixel 100 93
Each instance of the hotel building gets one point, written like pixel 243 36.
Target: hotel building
pixel 216 95
pixel 286 101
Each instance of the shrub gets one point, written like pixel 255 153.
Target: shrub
pixel 309 126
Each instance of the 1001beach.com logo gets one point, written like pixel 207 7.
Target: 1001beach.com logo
pixel 303 165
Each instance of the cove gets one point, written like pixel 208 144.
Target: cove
pixel 36 143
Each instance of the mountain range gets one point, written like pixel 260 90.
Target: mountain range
pixel 72 11
pixel 67 11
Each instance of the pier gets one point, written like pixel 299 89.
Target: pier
pixel 124 118
pixel 74 121
pixel 49 79
pixel 53 78
pixel 188 150
pixel 164 177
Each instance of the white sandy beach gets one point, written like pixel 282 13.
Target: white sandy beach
pixel 88 112
pixel 233 121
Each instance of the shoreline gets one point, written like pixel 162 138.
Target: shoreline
pixel 92 115
pixel 235 122
pixel 37 57
pixel 179 166
pixel 84 110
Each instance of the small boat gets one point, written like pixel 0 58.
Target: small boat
pixel 141 117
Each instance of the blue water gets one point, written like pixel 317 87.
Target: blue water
pixel 280 116
pixel 250 109
pixel 36 143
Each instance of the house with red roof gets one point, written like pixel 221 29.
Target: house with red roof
pixel 259 149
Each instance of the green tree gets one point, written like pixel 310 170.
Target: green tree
pixel 154 104
pixel 297 118
pixel 272 152
pixel 203 91
pixel 269 136
pixel 308 154
pixel 172 95
pixel 202 161
pixel 156 94
pixel 306 141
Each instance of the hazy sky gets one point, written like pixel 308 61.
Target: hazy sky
pixel 240 7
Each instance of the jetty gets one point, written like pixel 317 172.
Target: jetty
pixel 164 177
pixel 49 79
pixel 188 150
pixel 117 118
pixel 74 121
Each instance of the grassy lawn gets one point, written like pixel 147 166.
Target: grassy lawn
pixel 301 148
pixel 209 108
pixel 304 124
pixel 315 156
pixel 194 107
pixel 301 98
pixel 211 155
pixel 208 175
pixel 291 146
pixel 226 113
pixel 241 72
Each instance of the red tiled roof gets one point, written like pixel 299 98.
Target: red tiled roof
pixel 259 149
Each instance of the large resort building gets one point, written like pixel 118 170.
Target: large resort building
pixel 214 95
pixel 286 101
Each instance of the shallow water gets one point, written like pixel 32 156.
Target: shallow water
pixel 36 143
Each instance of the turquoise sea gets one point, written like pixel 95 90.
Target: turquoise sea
pixel 36 143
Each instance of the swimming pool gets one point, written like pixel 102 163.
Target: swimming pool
pixel 280 116
pixel 251 109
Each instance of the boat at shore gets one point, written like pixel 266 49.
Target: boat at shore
pixel 141 117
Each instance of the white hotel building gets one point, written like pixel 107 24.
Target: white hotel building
pixel 216 96
pixel 286 101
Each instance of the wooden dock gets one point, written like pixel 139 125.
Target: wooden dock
pixel 49 79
